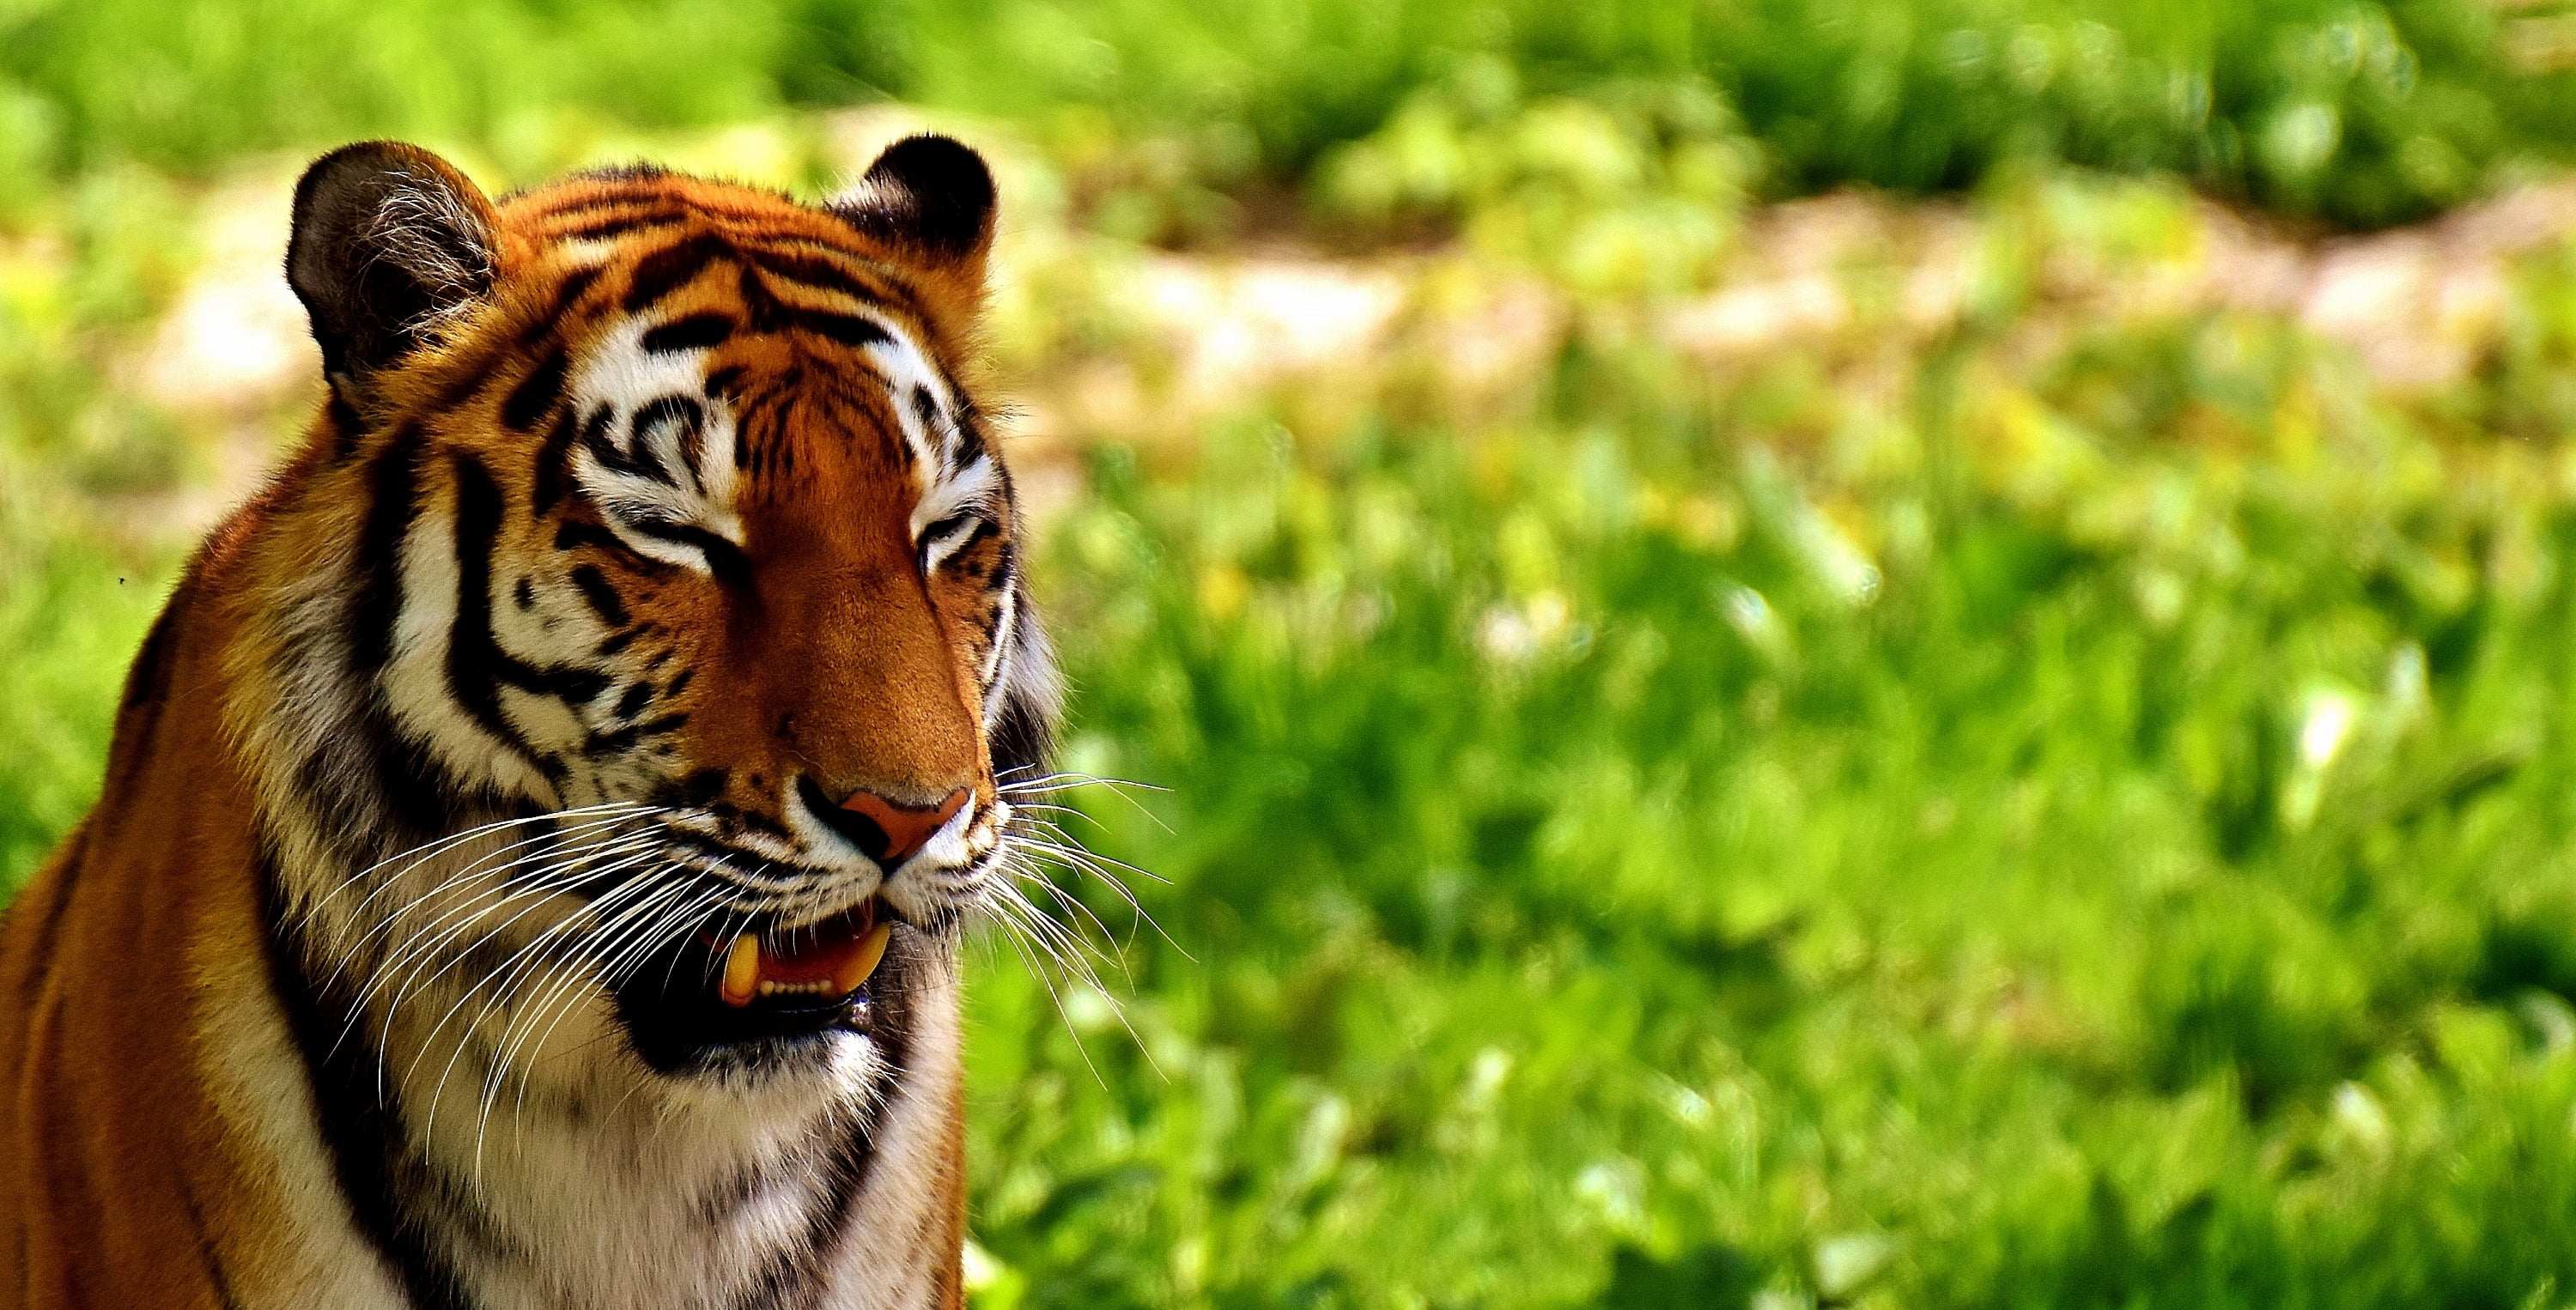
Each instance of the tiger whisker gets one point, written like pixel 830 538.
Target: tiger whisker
pixel 428 851
pixel 1118 787
pixel 1066 844
pixel 567 875
pixel 434 937
pixel 425 851
pixel 499 875
pixel 522 962
pixel 1083 861
pixel 1054 997
pixel 678 919
pixel 401 970
pixel 647 931
pixel 1074 904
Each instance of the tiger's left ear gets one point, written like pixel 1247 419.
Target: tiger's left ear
pixel 931 200
pixel 389 240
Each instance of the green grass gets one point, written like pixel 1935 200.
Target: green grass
pixel 69 625
pixel 2359 111
pixel 2146 881
pixel 2052 811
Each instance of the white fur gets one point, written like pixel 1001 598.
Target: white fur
pixel 617 374
pixel 519 1082
pixel 266 1101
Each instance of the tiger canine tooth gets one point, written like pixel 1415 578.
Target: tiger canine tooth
pixel 742 970
pixel 872 949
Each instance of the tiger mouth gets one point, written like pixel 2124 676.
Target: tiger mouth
pixel 828 961
pixel 764 989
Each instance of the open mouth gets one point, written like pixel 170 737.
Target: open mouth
pixel 828 961
pixel 765 988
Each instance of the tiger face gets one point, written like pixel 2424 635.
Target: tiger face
pixel 680 655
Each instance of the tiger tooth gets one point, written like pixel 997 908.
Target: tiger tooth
pixel 862 966
pixel 742 970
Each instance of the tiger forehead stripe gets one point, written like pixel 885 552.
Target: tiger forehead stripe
pixel 807 264
pixel 659 439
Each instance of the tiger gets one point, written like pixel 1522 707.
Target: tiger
pixel 537 833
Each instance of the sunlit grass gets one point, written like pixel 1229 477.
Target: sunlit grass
pixel 2359 111
pixel 2065 800
pixel 1608 882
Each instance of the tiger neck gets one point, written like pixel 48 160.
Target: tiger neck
pixel 581 1178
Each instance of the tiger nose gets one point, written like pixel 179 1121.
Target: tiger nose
pixel 884 831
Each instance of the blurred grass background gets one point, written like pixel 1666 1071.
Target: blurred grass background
pixel 1991 737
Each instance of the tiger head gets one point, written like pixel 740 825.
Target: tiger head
pixel 650 624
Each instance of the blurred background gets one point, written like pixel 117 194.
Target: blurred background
pixel 1797 653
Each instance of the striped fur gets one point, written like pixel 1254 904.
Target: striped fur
pixel 644 511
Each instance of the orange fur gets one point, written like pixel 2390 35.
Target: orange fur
pixel 117 1186
pixel 127 1178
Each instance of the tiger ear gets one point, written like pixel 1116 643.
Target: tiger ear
pixel 389 239
pixel 929 197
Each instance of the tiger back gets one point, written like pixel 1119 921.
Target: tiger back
pixel 538 829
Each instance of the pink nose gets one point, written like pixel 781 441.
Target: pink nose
pixel 900 829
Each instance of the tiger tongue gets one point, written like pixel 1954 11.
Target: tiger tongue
pixel 831 960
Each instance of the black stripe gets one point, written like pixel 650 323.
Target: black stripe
pixel 724 559
pixel 567 683
pixel 603 598
pixel 470 374
pixel 619 739
pixel 596 438
pixel 970 445
pixel 207 1255
pixel 926 409
pixel 665 271
pixel 848 329
pixel 595 434
pixel 554 465
pixel 574 284
pixel 815 272
pixel 970 434
pixel 147 694
pixel 376 599
pixel 476 664
pixel 792 1275
pixel 690 417
pixel 572 533
pixel 766 310
pixel 346 427
pixel 700 788
pixel 752 448
pixel 852 1159
pixel 985 529
pixel 357 1115
pixel 606 196
pixel 635 699
pixel 622 225
pixel 537 392
pixel 695 332
pixel 149 678
pixel 64 881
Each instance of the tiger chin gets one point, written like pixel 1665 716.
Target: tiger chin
pixel 537 832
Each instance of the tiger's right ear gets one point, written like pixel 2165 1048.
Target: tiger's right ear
pixel 389 240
